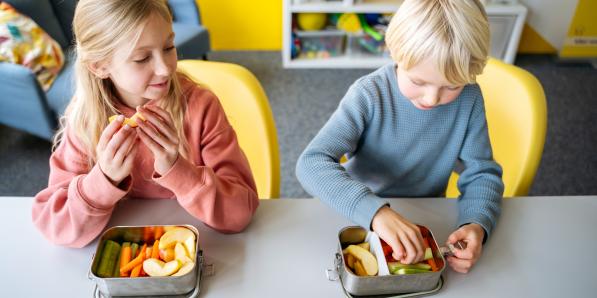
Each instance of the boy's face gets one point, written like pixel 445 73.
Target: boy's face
pixel 425 86
pixel 144 73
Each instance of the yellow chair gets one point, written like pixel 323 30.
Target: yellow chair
pixel 517 120
pixel 247 108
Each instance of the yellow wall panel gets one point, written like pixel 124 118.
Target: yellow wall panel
pixel 582 35
pixel 243 25
pixel 531 42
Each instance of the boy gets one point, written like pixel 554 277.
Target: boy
pixel 406 125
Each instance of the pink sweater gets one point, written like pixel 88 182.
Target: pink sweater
pixel 215 185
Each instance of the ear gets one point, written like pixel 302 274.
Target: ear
pixel 98 69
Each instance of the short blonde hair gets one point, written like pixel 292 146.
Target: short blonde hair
pixel 455 33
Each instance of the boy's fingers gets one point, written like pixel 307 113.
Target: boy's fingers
pixel 462 266
pixel 417 240
pixel 109 131
pixel 409 247
pixel 397 249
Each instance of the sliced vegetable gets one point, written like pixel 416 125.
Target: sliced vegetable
pixel 431 260
pixel 108 259
pixel 125 257
pixel 135 262
pixel 394 266
pixel 403 271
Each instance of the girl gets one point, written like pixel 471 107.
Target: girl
pixel 184 150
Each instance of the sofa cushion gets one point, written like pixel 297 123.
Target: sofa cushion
pixel 63 88
pixel 23 42
pixel 65 11
pixel 42 13
pixel 190 40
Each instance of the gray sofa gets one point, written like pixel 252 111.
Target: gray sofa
pixel 23 103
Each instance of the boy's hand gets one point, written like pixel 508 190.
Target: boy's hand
pixel 403 236
pixel 463 260
pixel 159 135
pixel 116 151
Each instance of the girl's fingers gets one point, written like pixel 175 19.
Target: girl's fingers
pixel 116 142
pixel 130 157
pixel 398 250
pixel 149 142
pixel 154 134
pixel 162 125
pixel 125 147
pixel 165 115
pixel 109 131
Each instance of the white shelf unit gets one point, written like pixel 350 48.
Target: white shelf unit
pixel 506 21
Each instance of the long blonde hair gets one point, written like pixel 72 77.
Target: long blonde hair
pixel 100 27
pixel 455 33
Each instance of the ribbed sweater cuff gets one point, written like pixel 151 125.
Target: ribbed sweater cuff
pixel 480 219
pixel 365 210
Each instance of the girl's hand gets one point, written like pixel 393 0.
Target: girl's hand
pixel 403 236
pixel 463 260
pixel 116 151
pixel 159 135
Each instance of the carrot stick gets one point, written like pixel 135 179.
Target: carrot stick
pixel 155 251
pixel 431 261
pixel 135 272
pixel 125 256
pixel 135 262
pixel 158 232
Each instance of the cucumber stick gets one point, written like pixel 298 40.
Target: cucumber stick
pixel 110 253
pixel 394 266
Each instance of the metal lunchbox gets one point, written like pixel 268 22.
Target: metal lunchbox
pixel 384 283
pixel 186 285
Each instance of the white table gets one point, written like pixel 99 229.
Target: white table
pixel 542 247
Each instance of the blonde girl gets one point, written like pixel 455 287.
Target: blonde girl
pixel 184 149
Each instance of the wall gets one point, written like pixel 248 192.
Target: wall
pixel 243 24
pixel 257 25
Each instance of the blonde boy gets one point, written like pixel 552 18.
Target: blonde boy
pixel 405 126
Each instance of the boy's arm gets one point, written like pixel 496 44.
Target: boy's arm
pixel 480 182
pixel 319 170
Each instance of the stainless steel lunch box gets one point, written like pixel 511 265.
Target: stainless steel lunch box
pixel 384 283
pixel 144 286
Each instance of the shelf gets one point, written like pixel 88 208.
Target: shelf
pixel 332 7
pixel 338 62
pixel 506 23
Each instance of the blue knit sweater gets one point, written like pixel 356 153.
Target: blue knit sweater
pixel 397 150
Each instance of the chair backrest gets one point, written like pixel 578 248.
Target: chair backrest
pixel 517 120
pixel 247 108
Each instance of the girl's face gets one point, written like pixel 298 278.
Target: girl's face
pixel 425 86
pixel 144 73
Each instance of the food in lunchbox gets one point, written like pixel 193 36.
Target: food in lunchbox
pixel 155 267
pixel 110 253
pixel 179 234
pixel 361 260
pixel 395 267
pixel 129 260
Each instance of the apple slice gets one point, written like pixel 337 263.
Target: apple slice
pixel 167 254
pixel 180 253
pixel 173 236
pixel 365 257
pixel 155 267
pixel 186 268
pixel 190 245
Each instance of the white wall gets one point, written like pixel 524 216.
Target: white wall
pixel 551 18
